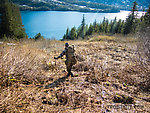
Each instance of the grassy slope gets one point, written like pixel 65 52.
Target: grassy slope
pixel 106 74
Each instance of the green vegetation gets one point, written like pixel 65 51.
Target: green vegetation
pixel 131 21
pixel 39 37
pixel 11 23
pixel 130 26
pixel 81 32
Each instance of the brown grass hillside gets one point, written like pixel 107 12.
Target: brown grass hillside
pixel 107 77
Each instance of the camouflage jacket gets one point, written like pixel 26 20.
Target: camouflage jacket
pixel 69 52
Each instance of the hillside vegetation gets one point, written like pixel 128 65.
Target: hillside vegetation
pixel 124 4
pixel 131 25
pixel 108 77
pixel 64 5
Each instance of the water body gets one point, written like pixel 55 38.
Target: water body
pixel 53 24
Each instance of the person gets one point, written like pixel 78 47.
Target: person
pixel 70 58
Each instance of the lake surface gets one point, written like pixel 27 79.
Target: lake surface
pixel 53 24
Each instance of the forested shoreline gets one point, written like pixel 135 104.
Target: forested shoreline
pixel 131 25
pixel 65 5
pixel 11 24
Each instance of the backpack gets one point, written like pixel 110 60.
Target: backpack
pixel 70 55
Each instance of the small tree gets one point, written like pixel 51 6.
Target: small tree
pixel 103 25
pixel 130 24
pixel 96 27
pixel 118 26
pixel 113 26
pixel 90 30
pixel 38 37
pixel 146 18
pixel 67 34
pixel 82 28
pixel 73 34
pixel 107 28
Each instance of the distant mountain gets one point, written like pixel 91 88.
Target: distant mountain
pixel 123 4
pixel 65 5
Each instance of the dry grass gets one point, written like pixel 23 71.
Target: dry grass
pixel 22 64
pixel 103 38
pixel 32 81
pixel 143 57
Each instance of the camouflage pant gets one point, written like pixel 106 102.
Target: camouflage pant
pixel 70 63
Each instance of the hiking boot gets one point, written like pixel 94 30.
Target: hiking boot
pixel 72 75
pixel 68 74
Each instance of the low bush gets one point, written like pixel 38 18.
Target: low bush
pixel 21 64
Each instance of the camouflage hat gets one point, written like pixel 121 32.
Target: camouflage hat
pixel 66 44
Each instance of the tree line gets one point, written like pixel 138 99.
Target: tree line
pixel 132 24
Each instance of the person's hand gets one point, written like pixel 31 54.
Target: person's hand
pixel 55 58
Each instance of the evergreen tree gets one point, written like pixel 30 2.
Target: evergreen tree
pixel 67 34
pixel 128 25
pixel 96 27
pixel 73 33
pixel 134 9
pixel 122 26
pixel 131 21
pixel 147 17
pixel 11 23
pixel 113 26
pixel 107 28
pixel 64 37
pixel 91 30
pixel 103 25
pixel 118 26
pixel 0 19
pixel 82 28
pixel 86 29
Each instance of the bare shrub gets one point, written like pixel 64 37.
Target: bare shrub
pixel 86 64
pixel 130 74
pixel 80 58
pixel 21 64
pixel 143 45
pixel 143 50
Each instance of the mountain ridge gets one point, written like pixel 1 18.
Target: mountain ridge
pixel 65 5
pixel 96 6
pixel 125 4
